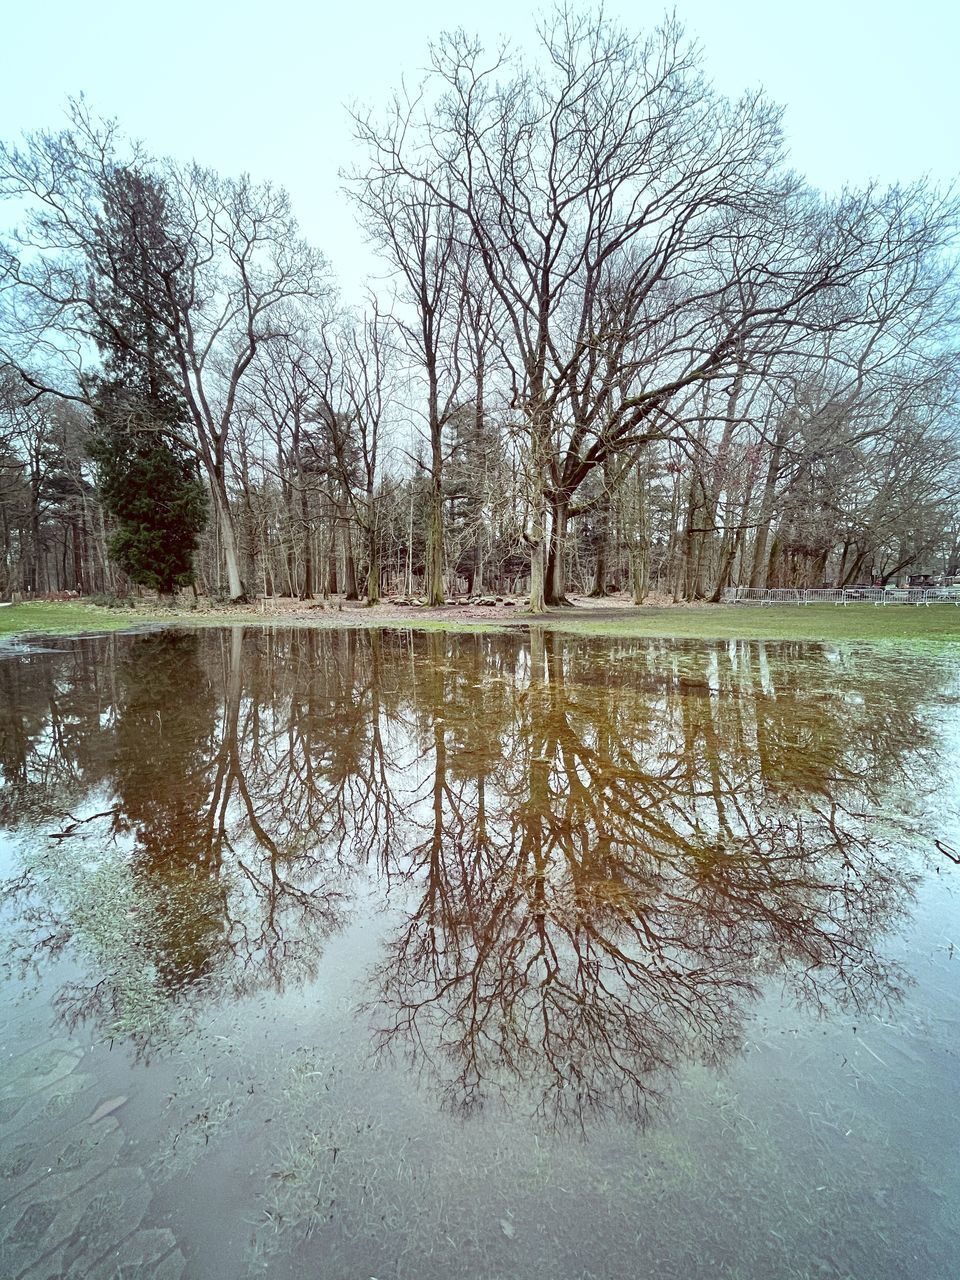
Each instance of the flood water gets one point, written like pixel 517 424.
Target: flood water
pixel 409 955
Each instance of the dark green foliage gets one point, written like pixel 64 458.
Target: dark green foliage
pixel 153 494
pixel 148 480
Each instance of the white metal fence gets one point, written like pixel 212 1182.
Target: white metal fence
pixel 845 595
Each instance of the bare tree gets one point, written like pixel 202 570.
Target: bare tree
pixel 419 235
pixel 641 236
pixel 355 385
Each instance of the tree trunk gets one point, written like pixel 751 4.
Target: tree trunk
pixel 640 542
pixel 228 538
pixel 556 593
pixel 690 565
pixel 78 575
pixel 308 587
pixel 599 588
pixel 231 555
pixel 434 569
pixel 433 586
pixel 350 590
pixel 761 561
pixel 373 567
pixel 537 577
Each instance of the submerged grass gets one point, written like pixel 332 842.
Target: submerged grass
pixel 725 1188
pixel 901 624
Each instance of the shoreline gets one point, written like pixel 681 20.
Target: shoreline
pixel 935 625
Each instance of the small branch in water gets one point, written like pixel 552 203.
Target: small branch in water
pixel 71 830
pixel 948 851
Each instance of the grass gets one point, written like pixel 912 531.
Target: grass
pixel 68 619
pixel 80 618
pixel 939 624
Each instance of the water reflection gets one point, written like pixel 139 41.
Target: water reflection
pixel 586 858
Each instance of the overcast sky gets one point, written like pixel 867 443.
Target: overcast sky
pixel 872 90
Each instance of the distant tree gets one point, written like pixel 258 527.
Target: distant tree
pixel 420 237
pixel 49 535
pixel 354 384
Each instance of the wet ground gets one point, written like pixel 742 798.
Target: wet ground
pixel 393 954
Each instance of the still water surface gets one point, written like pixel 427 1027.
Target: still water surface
pixel 389 954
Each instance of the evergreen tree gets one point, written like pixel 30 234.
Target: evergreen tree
pixel 147 479
pixel 159 506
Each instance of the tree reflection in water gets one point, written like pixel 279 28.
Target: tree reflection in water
pixel 605 883
pixel 595 854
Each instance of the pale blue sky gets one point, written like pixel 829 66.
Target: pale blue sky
pixel 871 89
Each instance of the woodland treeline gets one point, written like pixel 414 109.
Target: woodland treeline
pixel 615 342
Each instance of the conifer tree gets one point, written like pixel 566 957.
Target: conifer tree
pixel 147 480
